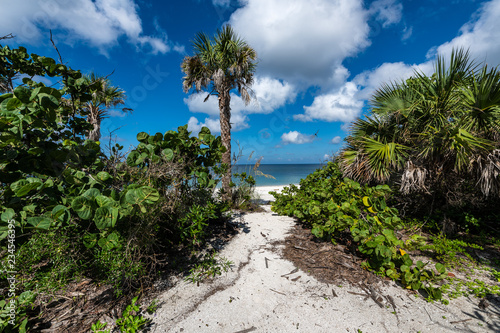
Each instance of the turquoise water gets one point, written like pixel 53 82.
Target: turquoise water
pixel 284 174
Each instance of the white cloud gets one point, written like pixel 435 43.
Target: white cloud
pixel 341 105
pixel 195 126
pixel 345 103
pixel 407 32
pixel 336 140
pixel 387 11
pixel 271 94
pixel 481 35
pixel 100 23
pixel 303 41
pixel 295 137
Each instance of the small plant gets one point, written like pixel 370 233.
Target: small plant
pixel 448 251
pixel 98 327
pixel 496 274
pixel 209 267
pixel 13 317
pixel 152 307
pixel 131 321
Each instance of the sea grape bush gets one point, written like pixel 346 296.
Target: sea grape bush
pixel 332 205
pixel 50 175
pixel 56 184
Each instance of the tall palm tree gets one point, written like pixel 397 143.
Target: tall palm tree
pixel 104 97
pixel 428 132
pixel 219 65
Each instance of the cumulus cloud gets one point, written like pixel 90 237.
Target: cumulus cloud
pixel 346 103
pixel 303 41
pixel 270 95
pixel 387 12
pixel 481 35
pixel 100 23
pixel 194 125
pixel 337 106
pixel 336 140
pixel 295 137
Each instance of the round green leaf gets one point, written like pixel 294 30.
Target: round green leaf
pixel 8 214
pixel 105 217
pixel 13 104
pixel 168 154
pixel 82 206
pixel 23 94
pixel 40 222
pixel 103 176
pixel 142 136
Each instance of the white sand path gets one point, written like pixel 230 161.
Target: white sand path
pixel 255 296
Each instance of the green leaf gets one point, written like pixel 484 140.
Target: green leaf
pixel 83 207
pixel 142 137
pixel 102 200
pixel 168 154
pixel 90 240
pixel 132 158
pixel 8 214
pixel 60 213
pixel 110 242
pixel 23 94
pixel 23 191
pixel 91 193
pixel 105 217
pixel 40 222
pixel 13 104
pixel 103 176
pixel 48 101
pixel 404 268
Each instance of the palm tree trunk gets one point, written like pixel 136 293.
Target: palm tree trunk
pixel 95 132
pixel 225 132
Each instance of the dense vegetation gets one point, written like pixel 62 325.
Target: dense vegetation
pixel 69 211
pixel 435 137
pixel 426 174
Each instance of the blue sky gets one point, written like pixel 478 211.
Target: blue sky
pixel 319 60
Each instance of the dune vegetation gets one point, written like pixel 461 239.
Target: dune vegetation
pixel 419 175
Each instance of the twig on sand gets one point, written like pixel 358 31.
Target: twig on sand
pixel 278 292
pixel 267 266
pixel 294 271
pixel 251 329
pixel 460 321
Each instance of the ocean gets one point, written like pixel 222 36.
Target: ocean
pixel 284 174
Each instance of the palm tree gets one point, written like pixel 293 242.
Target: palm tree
pixel 218 66
pixel 431 133
pixel 104 97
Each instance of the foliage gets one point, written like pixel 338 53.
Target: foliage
pixel 80 213
pixel 98 327
pixel 340 209
pixel 13 317
pixel 208 267
pixel 131 321
pixel 448 251
pixel 435 136
pixel 219 65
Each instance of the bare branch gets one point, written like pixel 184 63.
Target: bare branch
pixel 54 45
pixel 9 36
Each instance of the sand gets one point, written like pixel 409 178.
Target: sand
pixel 262 192
pixel 265 293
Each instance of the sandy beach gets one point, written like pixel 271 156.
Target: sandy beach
pixel 263 292
pixel 262 192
